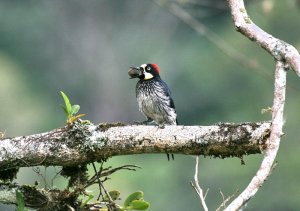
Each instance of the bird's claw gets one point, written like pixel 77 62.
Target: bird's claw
pixel 147 122
pixel 161 126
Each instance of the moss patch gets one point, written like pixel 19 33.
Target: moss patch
pixel 9 174
pixel 105 126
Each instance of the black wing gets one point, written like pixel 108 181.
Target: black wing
pixel 168 93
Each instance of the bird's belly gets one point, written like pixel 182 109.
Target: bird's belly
pixel 149 107
pixel 156 108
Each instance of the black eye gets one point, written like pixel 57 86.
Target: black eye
pixel 148 68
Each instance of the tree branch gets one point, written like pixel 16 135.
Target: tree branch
pixel 272 144
pixel 84 143
pixel 284 54
pixel 279 49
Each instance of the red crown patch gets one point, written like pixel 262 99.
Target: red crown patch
pixel 156 68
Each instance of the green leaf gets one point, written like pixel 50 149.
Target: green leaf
pixel 75 109
pixel 140 205
pixel 134 196
pixel 67 102
pixel 114 194
pixel 65 110
pixel 20 201
pixel 87 200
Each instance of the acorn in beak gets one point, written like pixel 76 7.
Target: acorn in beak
pixel 135 72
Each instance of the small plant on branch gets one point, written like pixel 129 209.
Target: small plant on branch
pixel 70 110
pixel 135 201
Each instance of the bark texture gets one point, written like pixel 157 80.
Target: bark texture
pixel 84 143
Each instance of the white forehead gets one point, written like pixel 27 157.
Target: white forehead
pixel 143 66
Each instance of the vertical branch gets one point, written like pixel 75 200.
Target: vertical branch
pixel 197 187
pixel 272 144
pixel 285 55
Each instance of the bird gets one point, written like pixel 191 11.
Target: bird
pixel 154 96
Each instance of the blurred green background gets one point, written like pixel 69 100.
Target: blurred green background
pixel 85 48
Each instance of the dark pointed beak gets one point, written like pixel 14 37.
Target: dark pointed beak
pixel 135 72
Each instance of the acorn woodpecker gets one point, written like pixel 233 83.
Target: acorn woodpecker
pixel 154 96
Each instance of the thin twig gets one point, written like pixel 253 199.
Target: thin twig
pixel 37 170
pixel 99 181
pixel 57 174
pixel 108 171
pixel 197 187
pixel 99 175
pixel 124 167
pixel 111 205
pixel 224 201
pixel 206 192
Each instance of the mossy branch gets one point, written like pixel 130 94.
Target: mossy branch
pixel 84 142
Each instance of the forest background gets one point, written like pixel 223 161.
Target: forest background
pixel 85 49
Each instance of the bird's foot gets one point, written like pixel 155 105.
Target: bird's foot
pixel 161 126
pixel 147 122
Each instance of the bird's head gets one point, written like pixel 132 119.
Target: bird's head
pixel 144 72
